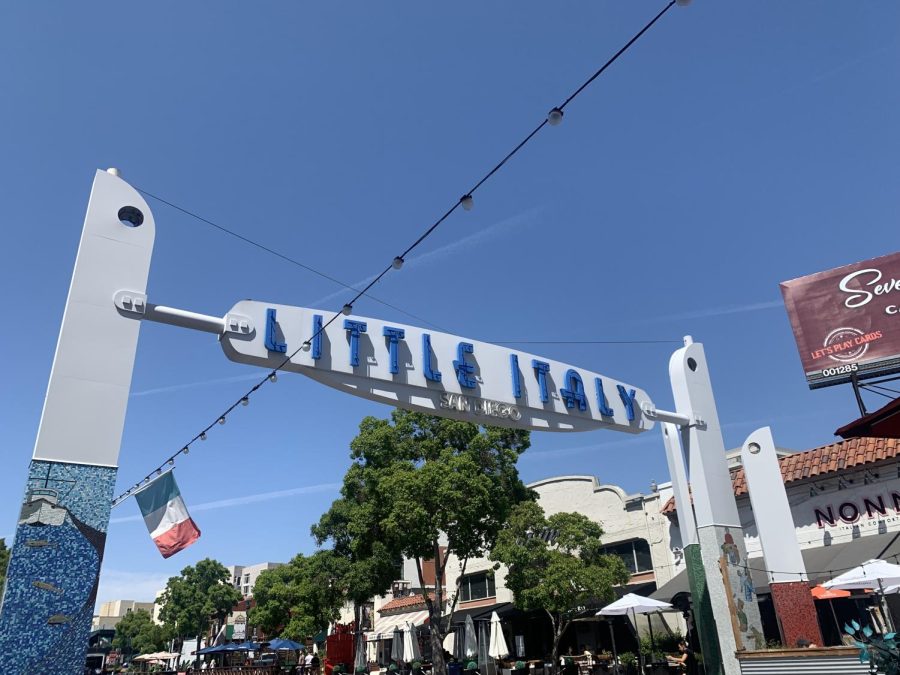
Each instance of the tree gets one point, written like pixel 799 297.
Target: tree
pixel 137 634
pixel 555 564
pixel 301 598
pixel 424 488
pixel 4 561
pixel 191 601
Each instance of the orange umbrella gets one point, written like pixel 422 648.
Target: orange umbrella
pixel 822 593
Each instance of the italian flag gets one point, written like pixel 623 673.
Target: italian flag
pixel 166 516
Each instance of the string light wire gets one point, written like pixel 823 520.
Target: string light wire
pixel 466 201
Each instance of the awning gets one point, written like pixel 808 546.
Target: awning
pixel 385 625
pixel 480 613
pixel 822 563
pixel 883 423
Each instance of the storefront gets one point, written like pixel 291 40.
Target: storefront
pixel 845 503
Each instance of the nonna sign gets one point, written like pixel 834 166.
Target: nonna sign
pixel 852 511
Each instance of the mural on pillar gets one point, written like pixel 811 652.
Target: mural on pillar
pixel 741 596
pixel 55 566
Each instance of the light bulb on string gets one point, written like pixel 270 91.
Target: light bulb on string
pixel 555 116
pixel 273 377
pixel 185 450
pixel 202 438
pixel 397 263
pixel 222 419
pixel 171 462
pixel 346 309
pixel 305 346
pixel 245 401
pixel 467 202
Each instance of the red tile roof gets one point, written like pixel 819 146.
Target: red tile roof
pixel 406 603
pixel 820 461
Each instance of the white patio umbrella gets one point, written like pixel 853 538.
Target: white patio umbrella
pixel 633 604
pixel 397 645
pixel 497 648
pixel 450 642
pixel 411 644
pixel 360 661
pixel 470 642
pixel 875 574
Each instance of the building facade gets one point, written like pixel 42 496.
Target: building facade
pixel 243 577
pixel 112 612
pixel 844 502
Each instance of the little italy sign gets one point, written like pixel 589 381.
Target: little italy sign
pixel 434 372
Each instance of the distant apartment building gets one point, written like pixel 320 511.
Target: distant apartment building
pixel 243 577
pixel 112 612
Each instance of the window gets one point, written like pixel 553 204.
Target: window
pixel 635 554
pixel 476 587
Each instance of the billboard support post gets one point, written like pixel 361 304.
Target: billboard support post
pixel 854 380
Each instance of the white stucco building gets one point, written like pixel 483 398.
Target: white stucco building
pixel 635 529
pixel 112 612
pixel 243 577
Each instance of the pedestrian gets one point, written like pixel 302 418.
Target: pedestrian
pixel 685 661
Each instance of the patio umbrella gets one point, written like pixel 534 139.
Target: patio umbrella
pixel 359 661
pixel 397 646
pixel 829 594
pixel 871 574
pixel 281 644
pixel 497 649
pixel 483 634
pixel 449 642
pixel 215 649
pixel 633 604
pixel 411 644
pixel 470 643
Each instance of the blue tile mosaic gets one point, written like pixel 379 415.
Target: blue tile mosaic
pixel 51 585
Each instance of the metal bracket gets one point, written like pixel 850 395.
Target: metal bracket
pixel 651 411
pixel 236 323
pixel 132 302
pixel 136 305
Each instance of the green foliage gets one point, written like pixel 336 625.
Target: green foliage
pixel 419 482
pixel 200 594
pixel 301 598
pixel 665 643
pixel 137 634
pixel 555 564
pixel 882 651
pixel 628 659
pixel 4 561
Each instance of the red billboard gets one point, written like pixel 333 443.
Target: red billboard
pixel 847 321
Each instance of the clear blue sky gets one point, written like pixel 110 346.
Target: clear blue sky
pixel 736 146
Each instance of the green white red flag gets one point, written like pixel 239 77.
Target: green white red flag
pixel 167 518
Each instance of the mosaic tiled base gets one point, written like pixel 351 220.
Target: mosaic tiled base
pixel 734 603
pixel 51 586
pixel 796 611
pixel 703 614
